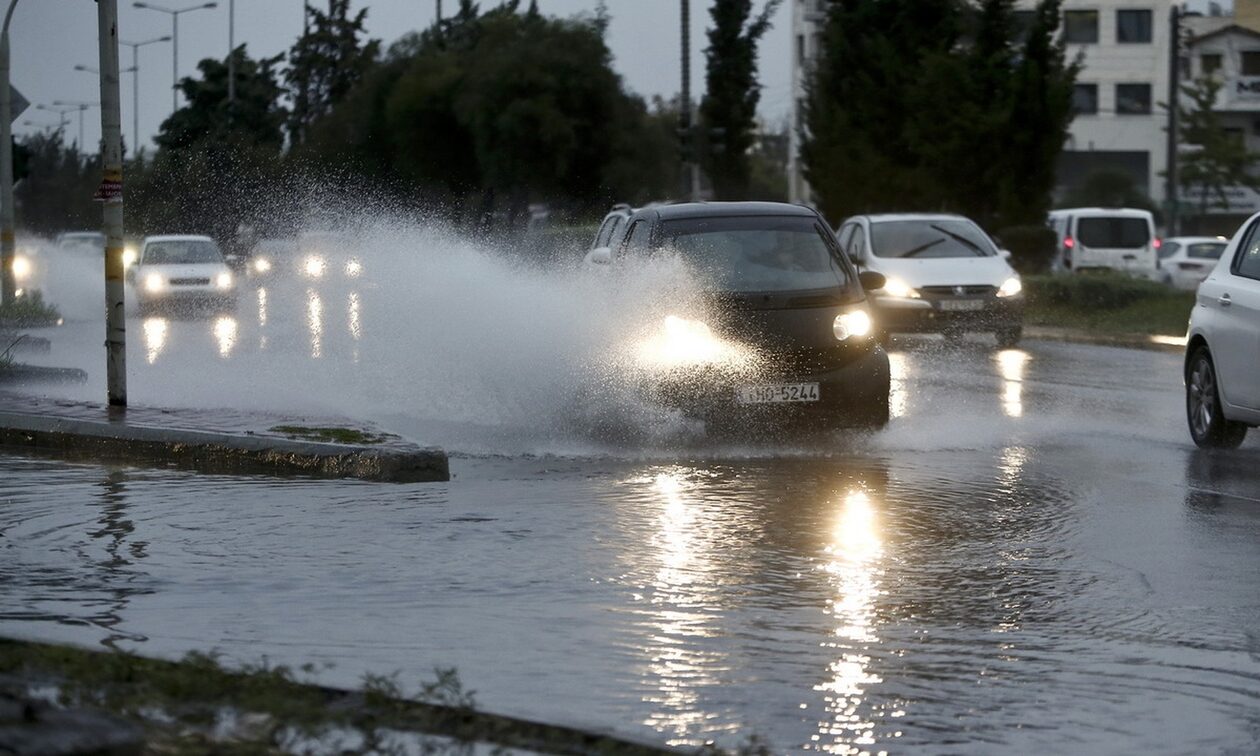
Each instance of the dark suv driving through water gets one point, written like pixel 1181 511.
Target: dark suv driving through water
pixel 786 335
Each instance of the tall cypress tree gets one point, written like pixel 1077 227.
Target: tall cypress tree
pixel 326 63
pixel 729 109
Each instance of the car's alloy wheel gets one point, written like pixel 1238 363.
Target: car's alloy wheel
pixel 1208 426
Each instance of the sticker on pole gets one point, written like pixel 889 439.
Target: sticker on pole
pixel 110 191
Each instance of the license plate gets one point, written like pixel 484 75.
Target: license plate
pixel 776 393
pixel 962 305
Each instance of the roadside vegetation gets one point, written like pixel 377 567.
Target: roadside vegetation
pixel 28 311
pixel 1106 303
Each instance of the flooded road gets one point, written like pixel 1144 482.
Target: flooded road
pixel 1033 557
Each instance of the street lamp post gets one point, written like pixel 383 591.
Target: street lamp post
pixel 110 194
pixel 135 86
pixel 91 70
pixel 62 120
pixel 81 107
pixel 8 284
pixel 174 14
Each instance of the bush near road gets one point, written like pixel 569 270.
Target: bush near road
pixel 1106 303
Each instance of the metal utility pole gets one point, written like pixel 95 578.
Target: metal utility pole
pixel 439 11
pixel 231 58
pixel 135 87
pixel 111 194
pixel 686 133
pixel 174 14
pixel 8 283
pixel 62 120
pixel 1173 225
pixel 91 70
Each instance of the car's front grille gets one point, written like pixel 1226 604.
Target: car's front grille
pixel 958 291
pixel 190 282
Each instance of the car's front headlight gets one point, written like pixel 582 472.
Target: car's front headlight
pixel 224 280
pixel 1010 287
pixel 129 257
pixel 895 287
pixel 154 282
pixel 314 266
pixel 262 265
pixel 21 267
pixel 854 324
pixel 681 343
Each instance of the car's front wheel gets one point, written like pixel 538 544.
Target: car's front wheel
pixel 1208 426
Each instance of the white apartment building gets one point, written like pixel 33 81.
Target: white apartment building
pixel 1119 126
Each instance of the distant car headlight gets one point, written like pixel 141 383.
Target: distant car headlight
pixel 262 265
pixel 895 287
pixel 1010 287
pixel 353 268
pixel 224 280
pixel 854 324
pixel 153 282
pixel 314 266
pixel 21 267
pixel 129 257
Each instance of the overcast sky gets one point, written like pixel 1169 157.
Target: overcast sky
pixel 49 37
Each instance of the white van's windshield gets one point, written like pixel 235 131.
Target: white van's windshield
pixel 1116 232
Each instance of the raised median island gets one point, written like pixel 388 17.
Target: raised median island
pixel 216 441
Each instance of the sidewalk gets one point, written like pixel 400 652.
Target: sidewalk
pixel 217 441
pixel 1131 341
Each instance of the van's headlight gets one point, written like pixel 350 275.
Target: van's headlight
pixel 21 267
pixel 154 282
pixel 854 324
pixel 1010 287
pixel 895 287
pixel 224 280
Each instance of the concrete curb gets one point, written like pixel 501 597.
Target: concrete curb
pixel 1124 341
pixel 222 452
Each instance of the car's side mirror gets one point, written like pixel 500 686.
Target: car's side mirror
pixel 599 256
pixel 1005 253
pixel 871 280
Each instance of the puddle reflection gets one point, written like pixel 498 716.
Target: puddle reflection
pixel 262 317
pixel 1011 366
pixel 154 338
pixel 854 555
pixel 315 322
pixel 225 334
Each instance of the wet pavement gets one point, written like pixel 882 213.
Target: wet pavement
pixel 1032 558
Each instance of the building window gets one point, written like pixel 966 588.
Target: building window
pixel 1209 63
pixel 1080 27
pixel 1085 99
pixel 1133 99
pixel 1133 26
pixel 1251 63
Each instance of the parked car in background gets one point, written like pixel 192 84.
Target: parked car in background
pixel 181 269
pixel 788 338
pixel 1222 366
pixel 1098 238
pixel 1185 261
pixel 81 241
pixel 943 274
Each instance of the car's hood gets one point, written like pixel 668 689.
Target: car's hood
pixel 199 270
pixel 944 271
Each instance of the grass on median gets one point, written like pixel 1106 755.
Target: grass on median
pixel 333 435
pixel 1107 303
pixel 29 311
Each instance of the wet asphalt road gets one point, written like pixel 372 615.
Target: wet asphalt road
pixel 1032 558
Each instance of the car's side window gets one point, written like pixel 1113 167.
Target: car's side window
pixel 857 243
pixel 1247 259
pixel 638 236
pixel 618 224
pixel 605 232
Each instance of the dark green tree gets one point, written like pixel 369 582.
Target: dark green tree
pixel 57 193
pixel 257 117
pixel 729 109
pixel 1217 159
pixel 326 63
pixel 938 105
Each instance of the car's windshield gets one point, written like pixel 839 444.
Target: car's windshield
pixel 757 253
pixel 92 239
pixel 1205 250
pixel 182 252
pixel 929 238
pixel 1115 232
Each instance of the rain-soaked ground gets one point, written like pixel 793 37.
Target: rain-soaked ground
pixel 1032 557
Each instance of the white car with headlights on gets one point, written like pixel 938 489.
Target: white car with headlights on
pixel 942 273
pixel 780 333
pixel 1222 367
pixel 181 269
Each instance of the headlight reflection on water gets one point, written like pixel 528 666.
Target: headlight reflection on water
pixel 1011 365
pixel 225 334
pixel 154 338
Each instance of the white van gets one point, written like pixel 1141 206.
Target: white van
pixel 1093 238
